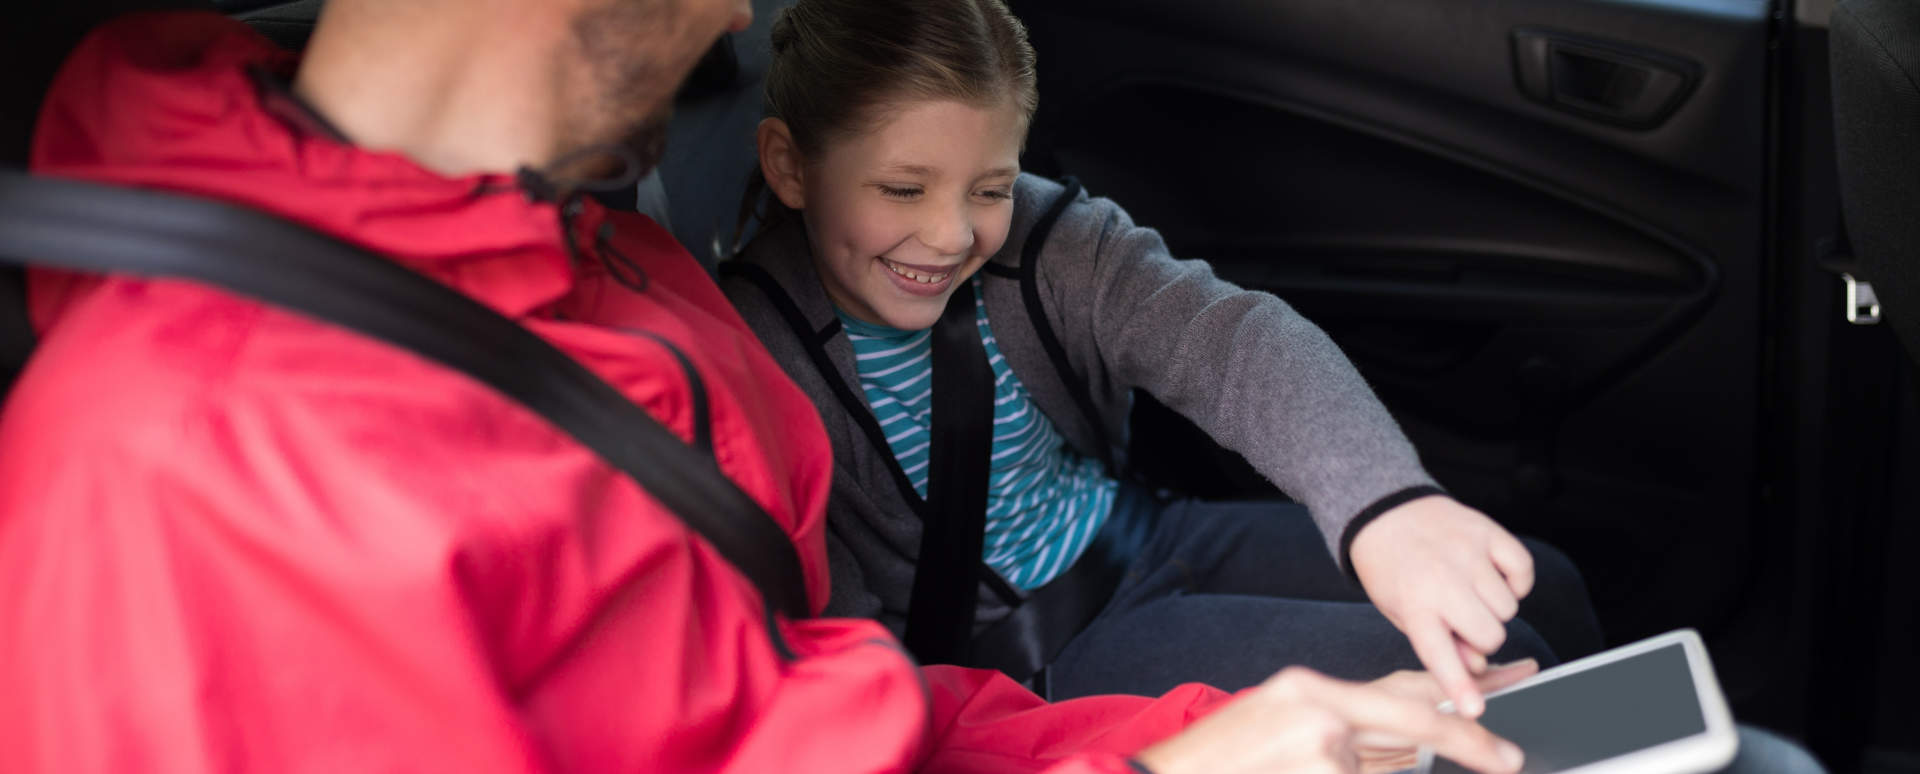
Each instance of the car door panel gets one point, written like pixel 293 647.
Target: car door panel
pixel 1561 307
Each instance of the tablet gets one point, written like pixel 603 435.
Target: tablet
pixel 1652 707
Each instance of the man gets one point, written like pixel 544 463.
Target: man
pixel 233 538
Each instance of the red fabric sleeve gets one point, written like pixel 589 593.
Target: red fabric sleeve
pixel 984 722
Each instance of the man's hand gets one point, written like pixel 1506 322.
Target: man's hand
pixel 1449 578
pixel 1383 752
pixel 1301 721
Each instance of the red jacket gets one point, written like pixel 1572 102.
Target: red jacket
pixel 236 539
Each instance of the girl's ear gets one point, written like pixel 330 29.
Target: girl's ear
pixel 781 164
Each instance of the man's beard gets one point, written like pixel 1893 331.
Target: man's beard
pixel 648 142
pixel 590 159
pixel 632 88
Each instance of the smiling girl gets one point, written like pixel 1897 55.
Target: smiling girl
pixel 903 256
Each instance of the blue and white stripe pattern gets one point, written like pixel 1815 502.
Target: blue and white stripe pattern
pixel 1044 502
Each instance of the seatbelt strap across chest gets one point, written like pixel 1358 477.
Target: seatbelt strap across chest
pixel 92 227
pixel 946 577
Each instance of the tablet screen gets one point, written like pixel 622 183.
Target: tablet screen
pixel 1599 713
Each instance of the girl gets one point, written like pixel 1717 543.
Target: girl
pixel 972 336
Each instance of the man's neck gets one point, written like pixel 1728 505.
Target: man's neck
pixel 455 99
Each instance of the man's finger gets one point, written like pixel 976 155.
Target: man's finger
pixel 1514 561
pixel 1345 755
pixel 1422 686
pixel 1434 644
pixel 1369 709
pixel 1504 675
pixel 1473 746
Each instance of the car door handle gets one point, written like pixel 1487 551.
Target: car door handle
pixel 1600 80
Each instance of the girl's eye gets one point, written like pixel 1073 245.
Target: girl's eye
pixel 996 194
pixel 898 193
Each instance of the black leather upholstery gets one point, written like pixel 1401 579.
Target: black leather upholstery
pixel 1876 116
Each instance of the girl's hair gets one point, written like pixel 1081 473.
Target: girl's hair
pixel 838 64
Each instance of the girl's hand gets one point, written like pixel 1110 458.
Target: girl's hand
pixel 1301 721
pixel 1449 578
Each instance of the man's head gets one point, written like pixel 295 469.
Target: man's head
pixel 468 86
pixel 633 55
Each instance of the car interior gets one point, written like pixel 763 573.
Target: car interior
pixel 1634 275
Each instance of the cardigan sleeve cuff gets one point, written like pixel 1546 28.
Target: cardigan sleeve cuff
pixel 1371 512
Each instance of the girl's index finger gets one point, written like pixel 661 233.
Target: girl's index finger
pixel 1435 645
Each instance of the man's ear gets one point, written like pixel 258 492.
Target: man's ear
pixel 780 162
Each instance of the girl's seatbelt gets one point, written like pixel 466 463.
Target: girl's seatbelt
pixel 947 574
pixel 1028 638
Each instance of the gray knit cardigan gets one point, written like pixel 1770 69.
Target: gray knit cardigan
pixel 1243 365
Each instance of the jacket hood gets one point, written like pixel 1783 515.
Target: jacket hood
pixel 163 100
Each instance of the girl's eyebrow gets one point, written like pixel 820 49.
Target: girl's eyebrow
pixel 921 170
pixel 910 169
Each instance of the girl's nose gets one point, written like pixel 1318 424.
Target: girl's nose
pixel 949 233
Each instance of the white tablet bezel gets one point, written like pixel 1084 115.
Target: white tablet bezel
pixel 1709 750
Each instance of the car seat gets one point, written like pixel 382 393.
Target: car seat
pixel 1876 117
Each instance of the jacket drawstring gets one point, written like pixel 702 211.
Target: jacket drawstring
pixel 542 186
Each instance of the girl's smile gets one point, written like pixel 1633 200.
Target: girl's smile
pixel 902 210
pixel 921 280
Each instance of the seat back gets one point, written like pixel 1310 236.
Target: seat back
pixel 710 144
pixel 37 40
pixel 1876 116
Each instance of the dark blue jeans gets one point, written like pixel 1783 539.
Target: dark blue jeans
pixel 1228 593
pixel 1763 753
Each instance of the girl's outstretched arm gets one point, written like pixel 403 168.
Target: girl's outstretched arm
pixel 1263 380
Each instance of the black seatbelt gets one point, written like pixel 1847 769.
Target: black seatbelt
pixel 1037 314
pixel 1028 638
pixel 106 229
pixel 946 578
pixel 814 342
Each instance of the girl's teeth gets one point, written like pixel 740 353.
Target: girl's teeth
pixel 924 279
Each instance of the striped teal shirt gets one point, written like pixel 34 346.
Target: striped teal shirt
pixel 1044 502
